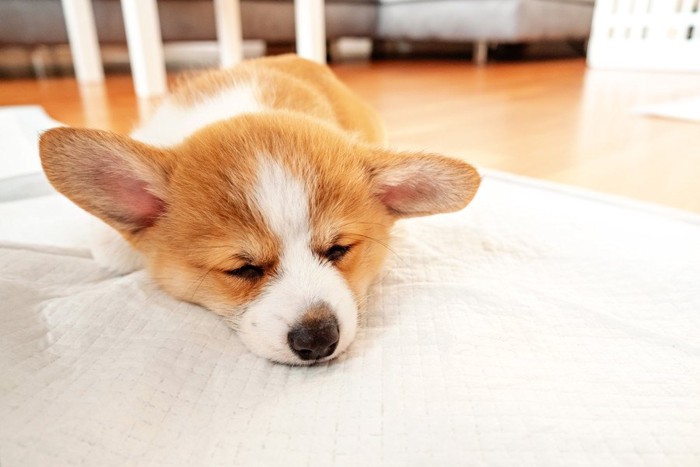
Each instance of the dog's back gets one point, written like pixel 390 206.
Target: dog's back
pixel 285 82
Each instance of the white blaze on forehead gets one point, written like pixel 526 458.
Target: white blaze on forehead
pixel 283 201
pixel 302 279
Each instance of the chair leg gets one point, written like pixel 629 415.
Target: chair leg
pixel 481 52
pixel 145 47
pixel 228 31
pixel 84 46
pixel 42 64
pixel 310 29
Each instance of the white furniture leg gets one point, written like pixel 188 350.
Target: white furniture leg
pixel 228 31
pixel 145 47
pixel 481 52
pixel 80 23
pixel 310 29
pixel 95 106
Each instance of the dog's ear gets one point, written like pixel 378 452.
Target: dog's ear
pixel 418 184
pixel 120 180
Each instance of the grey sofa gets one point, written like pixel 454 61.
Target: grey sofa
pixel 485 20
pixel 31 22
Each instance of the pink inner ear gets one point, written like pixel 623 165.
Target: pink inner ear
pixel 134 203
pixel 410 195
pixel 393 196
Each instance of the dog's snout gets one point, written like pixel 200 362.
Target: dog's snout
pixel 315 336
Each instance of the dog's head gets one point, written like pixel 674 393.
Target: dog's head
pixel 277 223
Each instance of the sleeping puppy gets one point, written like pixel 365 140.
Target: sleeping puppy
pixel 262 193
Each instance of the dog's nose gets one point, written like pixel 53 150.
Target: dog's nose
pixel 314 339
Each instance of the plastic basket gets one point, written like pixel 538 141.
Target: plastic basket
pixel 659 35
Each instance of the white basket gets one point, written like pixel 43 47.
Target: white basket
pixel 659 35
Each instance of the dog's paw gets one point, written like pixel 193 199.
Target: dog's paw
pixel 111 251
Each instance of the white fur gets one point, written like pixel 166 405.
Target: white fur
pixel 170 125
pixel 110 250
pixel 303 279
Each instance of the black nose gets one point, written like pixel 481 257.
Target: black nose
pixel 314 340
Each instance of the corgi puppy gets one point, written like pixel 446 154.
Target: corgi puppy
pixel 261 192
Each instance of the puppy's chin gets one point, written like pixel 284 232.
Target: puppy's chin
pixel 292 360
pixel 299 362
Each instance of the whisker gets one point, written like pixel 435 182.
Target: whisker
pixel 204 276
pixel 363 223
pixel 209 247
pixel 379 242
pixel 201 280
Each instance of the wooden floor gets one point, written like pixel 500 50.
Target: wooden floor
pixel 552 120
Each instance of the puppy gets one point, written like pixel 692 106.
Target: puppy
pixel 262 193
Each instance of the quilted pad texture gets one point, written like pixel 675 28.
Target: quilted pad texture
pixel 538 327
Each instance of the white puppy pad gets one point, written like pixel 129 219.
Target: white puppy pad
pixel 539 327
pixel 19 128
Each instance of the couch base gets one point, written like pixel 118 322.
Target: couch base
pixel 484 20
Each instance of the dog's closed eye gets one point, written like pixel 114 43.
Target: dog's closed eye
pixel 247 271
pixel 336 252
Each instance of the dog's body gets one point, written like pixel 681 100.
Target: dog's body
pixel 261 193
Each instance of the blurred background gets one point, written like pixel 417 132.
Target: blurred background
pixel 34 38
pixel 604 95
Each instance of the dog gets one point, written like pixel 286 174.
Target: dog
pixel 263 193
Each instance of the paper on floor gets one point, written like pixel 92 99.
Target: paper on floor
pixel 679 109
pixel 19 129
